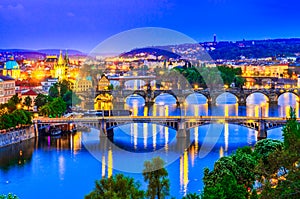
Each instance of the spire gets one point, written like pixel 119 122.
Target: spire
pixel 60 59
pixel 66 57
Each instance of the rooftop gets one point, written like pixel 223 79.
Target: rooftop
pixel 6 78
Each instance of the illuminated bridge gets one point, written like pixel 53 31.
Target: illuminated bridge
pixel 181 124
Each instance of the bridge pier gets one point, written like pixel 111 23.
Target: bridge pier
pixel 262 132
pixel 181 133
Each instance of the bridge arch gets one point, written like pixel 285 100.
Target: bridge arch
pixel 136 83
pixel 196 98
pixel 171 125
pixel 135 99
pixel 262 94
pixel 163 95
pixel 229 98
pixel 283 94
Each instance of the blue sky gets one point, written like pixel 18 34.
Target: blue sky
pixel 83 24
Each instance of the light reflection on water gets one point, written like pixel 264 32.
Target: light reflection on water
pixel 66 165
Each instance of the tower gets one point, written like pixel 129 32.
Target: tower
pixel 60 68
pixel 215 38
pixel 12 68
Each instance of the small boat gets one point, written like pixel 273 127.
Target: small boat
pixel 55 131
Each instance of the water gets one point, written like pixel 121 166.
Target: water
pixel 67 167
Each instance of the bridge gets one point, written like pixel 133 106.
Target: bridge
pixel 241 95
pixel 182 124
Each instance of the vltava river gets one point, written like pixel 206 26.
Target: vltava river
pixel 67 166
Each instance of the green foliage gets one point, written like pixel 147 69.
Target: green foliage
pixel 9 196
pixel 27 101
pixel 12 103
pixel 156 175
pixel 63 89
pixel 111 87
pixel 263 148
pixel 279 171
pixel 71 98
pixel 116 187
pixel 291 133
pixel 227 187
pixel 55 108
pixel 192 196
pixel 204 76
pixel 17 117
pixel 40 100
pixel 231 175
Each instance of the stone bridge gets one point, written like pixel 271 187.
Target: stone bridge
pixel 181 124
pixel 241 95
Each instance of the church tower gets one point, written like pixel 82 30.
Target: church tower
pixel 61 67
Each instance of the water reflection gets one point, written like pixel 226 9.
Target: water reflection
pixel 65 163
pixel 16 154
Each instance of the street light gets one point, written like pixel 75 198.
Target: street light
pixel 19 106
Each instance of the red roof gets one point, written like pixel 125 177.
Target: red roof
pixel 30 92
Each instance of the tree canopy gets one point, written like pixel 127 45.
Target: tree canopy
pixel 157 177
pixel 116 187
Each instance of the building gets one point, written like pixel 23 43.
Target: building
pixel 82 85
pixel 7 88
pixel 48 83
pixel 32 94
pixel 103 83
pixel 12 69
pixel 60 68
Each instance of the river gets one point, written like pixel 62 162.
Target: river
pixel 67 166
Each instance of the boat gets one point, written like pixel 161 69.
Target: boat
pixel 55 131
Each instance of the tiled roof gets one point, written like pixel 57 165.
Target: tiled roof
pixel 30 92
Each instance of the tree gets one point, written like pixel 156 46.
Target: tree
pixel 9 196
pixel 40 100
pixel 227 187
pixel 27 102
pixel 263 148
pixel 115 187
pixel 55 108
pixel 156 175
pixel 233 174
pixel 192 196
pixel 282 171
pixel 71 98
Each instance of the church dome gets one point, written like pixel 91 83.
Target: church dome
pixel 11 64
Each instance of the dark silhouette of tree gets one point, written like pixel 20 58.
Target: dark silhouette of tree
pixel 156 175
pixel 40 100
pixel 27 102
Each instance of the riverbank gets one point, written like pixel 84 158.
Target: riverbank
pixel 16 136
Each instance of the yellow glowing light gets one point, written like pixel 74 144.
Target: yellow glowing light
pixel 110 164
pixel 185 170
pixel 19 106
pixel 226 111
pixel 166 110
pixel 221 152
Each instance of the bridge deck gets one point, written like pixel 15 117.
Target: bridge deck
pixel 169 118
